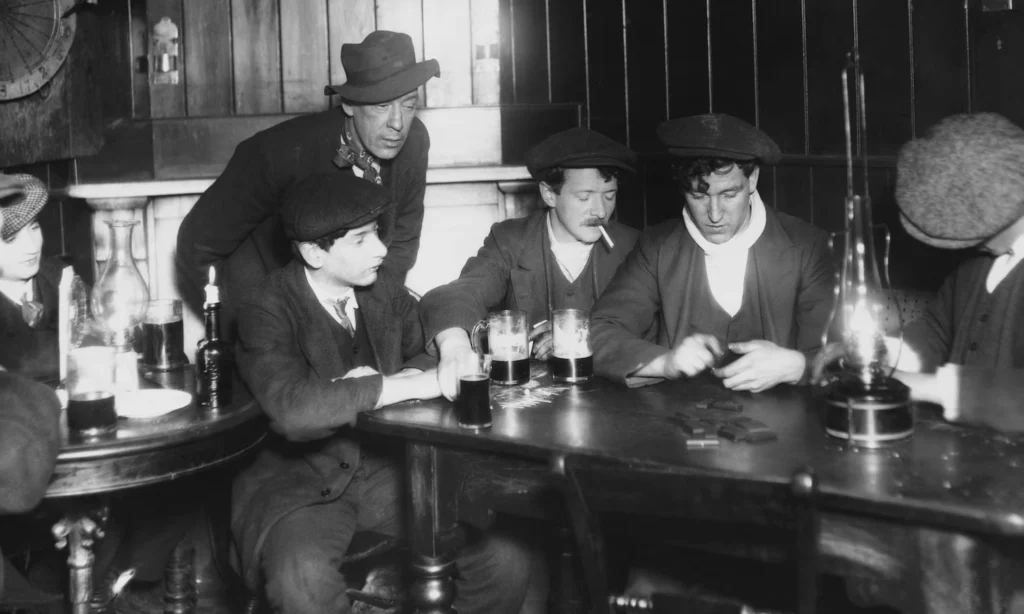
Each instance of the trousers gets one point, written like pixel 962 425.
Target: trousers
pixel 303 552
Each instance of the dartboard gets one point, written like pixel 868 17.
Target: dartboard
pixel 34 42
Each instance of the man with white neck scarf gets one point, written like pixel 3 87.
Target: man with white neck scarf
pixel 734 287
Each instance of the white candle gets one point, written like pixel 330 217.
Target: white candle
pixel 212 291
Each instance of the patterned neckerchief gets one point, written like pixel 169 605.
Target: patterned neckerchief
pixel 363 160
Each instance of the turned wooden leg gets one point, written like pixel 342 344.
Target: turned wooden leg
pixel 433 560
pixel 433 585
pixel 78 532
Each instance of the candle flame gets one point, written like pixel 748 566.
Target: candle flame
pixel 213 276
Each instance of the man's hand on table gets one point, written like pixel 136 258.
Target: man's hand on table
pixel 762 365
pixel 454 347
pixel 692 356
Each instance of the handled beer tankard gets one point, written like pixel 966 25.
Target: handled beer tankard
pixel 507 339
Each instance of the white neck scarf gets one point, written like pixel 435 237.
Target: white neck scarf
pixel 571 257
pixel 726 263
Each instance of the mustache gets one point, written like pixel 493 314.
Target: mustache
pixel 595 222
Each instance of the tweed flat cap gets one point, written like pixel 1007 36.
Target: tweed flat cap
pixel 328 202
pixel 962 182
pixel 579 148
pixel 717 135
pixel 21 208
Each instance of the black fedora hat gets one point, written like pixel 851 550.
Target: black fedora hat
pixel 381 68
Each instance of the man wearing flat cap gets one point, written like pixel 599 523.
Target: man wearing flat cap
pixel 375 136
pixel 962 186
pixel 553 259
pixel 733 287
pixel 329 336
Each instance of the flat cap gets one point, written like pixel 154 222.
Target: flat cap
pixel 23 204
pixel 717 135
pixel 963 182
pixel 579 148
pixel 325 203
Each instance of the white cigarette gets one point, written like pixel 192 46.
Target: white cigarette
pixel 541 323
pixel 608 240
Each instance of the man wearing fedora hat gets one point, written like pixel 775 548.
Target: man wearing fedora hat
pixel 553 259
pixel 961 186
pixel 329 336
pixel 733 287
pixel 375 135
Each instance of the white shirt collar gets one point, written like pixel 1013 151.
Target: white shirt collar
pixel 572 257
pixel 327 301
pixel 1004 264
pixel 17 290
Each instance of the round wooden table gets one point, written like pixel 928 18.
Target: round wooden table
pixel 139 453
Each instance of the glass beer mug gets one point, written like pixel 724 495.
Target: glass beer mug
pixel 507 338
pixel 573 359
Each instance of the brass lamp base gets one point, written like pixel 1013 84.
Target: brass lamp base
pixel 869 415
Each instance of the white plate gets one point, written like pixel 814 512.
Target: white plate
pixel 150 403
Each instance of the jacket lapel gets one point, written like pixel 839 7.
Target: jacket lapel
pixel 380 328
pixel 528 277
pixel 315 337
pixel 776 273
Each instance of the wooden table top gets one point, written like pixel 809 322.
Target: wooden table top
pixel 945 475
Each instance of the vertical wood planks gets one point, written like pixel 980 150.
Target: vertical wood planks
pixel 732 58
pixel 349 21
pixel 607 68
pixel 405 16
pixel 829 38
pixel 208 90
pixel 998 49
pixel 568 62
pixel 646 66
pixel 304 62
pixel 139 49
pixel 780 72
pixel 447 38
pixel 166 100
pixel 256 54
pixel 688 58
pixel 940 62
pixel 529 46
pixel 885 59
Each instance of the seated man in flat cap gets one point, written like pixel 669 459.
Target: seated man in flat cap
pixel 962 186
pixel 329 336
pixel 553 259
pixel 733 280
pixel 375 135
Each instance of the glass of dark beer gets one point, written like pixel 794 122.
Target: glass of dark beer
pixel 508 344
pixel 572 359
pixel 91 379
pixel 473 403
pixel 163 336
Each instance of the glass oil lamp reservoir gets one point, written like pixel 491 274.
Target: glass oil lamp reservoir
pixel 865 405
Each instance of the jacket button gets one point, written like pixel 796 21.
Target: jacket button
pixel 984 318
pixel 325 492
pixel 344 465
pixel 973 346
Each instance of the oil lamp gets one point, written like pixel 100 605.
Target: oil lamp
pixel 865 405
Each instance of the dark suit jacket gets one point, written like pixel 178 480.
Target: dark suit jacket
pixel 794 276
pixel 287 357
pixel 235 225
pixel 508 273
pixel 33 352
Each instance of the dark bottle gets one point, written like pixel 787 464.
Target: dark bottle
pixel 213 364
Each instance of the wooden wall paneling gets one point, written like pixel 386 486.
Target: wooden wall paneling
pixel 884 29
pixel 256 56
pixel 645 56
pixel 780 72
pixel 208 88
pixel 113 76
pixel 447 38
pixel 139 45
pixel 530 49
pixel 828 195
pixel 508 91
pixel 349 21
pixel 304 55
pixel 792 190
pixel 568 58
pixel 661 197
pixel 165 99
pixel 608 113
pixel 405 16
pixel 525 125
pixel 485 45
pixel 829 38
pixel 766 186
pixel 940 62
pixel 688 86
pixel 82 108
pixel 732 59
pixel 998 44
pixel 200 147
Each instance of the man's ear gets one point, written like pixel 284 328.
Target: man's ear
pixel 753 178
pixel 548 194
pixel 349 110
pixel 312 254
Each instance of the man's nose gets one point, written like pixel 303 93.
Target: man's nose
pixel 382 249
pixel 715 211
pixel 395 120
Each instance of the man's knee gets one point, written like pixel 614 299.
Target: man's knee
pixel 302 579
pixel 494 573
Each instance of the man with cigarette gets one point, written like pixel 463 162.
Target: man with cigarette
pixel 733 287
pixel 560 257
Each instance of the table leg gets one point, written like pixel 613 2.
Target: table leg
pixel 433 565
pixel 77 532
